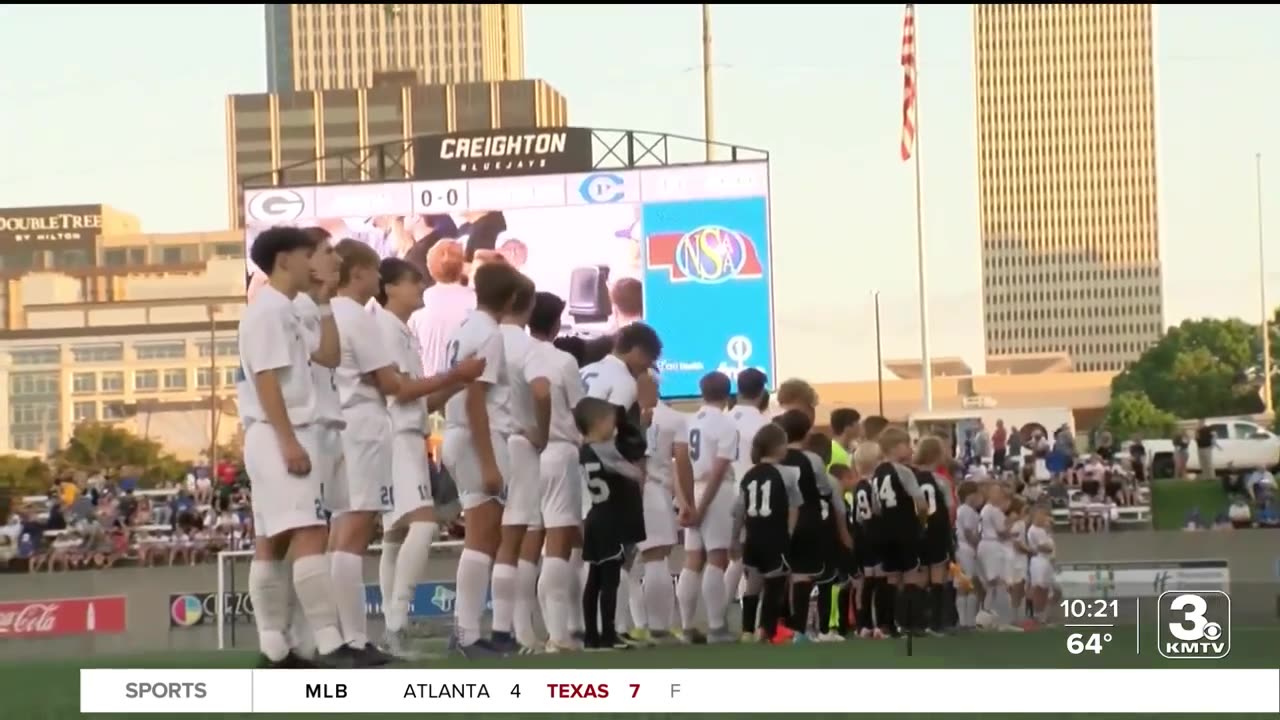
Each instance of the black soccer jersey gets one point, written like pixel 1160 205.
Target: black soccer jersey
pixel 766 505
pixel 809 490
pixel 616 516
pixel 812 542
pixel 862 523
pixel 897 508
pixel 938 538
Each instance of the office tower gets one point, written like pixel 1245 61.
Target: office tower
pixel 341 46
pixel 1067 181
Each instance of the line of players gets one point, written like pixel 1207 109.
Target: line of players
pixel 334 403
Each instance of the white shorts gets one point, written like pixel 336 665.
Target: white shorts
pixel 328 466
pixel 366 453
pixel 464 466
pixel 659 517
pixel 1017 567
pixel 281 501
pixel 967 559
pixel 524 484
pixel 410 479
pixel 1041 572
pixel 562 485
pixel 716 530
pixel 993 561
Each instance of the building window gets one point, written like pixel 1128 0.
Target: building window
pixel 84 412
pixel 110 352
pixel 146 380
pixel 84 383
pixel 171 255
pixel 203 376
pixel 31 413
pixel 113 410
pixel 175 379
pixel 33 384
pixel 117 257
pixel 175 350
pixel 225 348
pixel 112 382
pixel 37 356
pixel 138 256
pixel 228 250
pixel 229 376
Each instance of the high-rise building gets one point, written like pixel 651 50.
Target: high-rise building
pixel 344 45
pixel 286 132
pixel 1067 181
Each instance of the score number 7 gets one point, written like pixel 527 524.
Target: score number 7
pixel 635 689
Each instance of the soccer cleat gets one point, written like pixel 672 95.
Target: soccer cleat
pixel 292 661
pixel 397 644
pixel 504 642
pixel 346 658
pixel 637 637
pixel 747 637
pixel 782 634
pixel 693 636
pixel 553 649
pixel 720 636
pixel 829 637
pixel 529 650
pixel 376 657
pixel 579 635
pixel 799 638
pixel 479 650
pixel 616 643
pixel 663 637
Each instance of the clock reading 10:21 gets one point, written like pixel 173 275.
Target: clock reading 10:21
pixel 1100 611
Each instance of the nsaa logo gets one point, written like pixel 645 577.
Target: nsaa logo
pixel 710 254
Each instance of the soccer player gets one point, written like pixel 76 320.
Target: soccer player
pixel 668 484
pixel 713 447
pixel 614 522
pixel 993 558
pixel 846 424
pixel 769 506
pixel 968 533
pixel 556 390
pixel 1040 542
pixel 475 450
pixel 1019 557
pixel 444 305
pixel 748 416
pixel 937 542
pixel 277 400
pixel 834 539
pixel 524 491
pixel 902 506
pixel 409 528
pixel 866 537
pixel 810 544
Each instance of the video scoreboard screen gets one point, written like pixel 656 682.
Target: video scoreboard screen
pixel 685 249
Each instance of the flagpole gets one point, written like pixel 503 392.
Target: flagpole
pixel 926 362
pixel 707 118
pixel 1262 289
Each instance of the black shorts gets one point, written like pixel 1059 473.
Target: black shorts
pixel 866 554
pixel 807 554
pixel 934 550
pixel 900 550
pixel 765 558
pixel 610 529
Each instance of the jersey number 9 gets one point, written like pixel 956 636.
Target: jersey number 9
pixel 695 444
pixel 863 505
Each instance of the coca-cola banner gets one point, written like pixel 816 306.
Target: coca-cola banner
pixel 62 617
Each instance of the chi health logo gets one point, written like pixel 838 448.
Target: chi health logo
pixel 275 206
pixel 1194 625
pixel 443 598
pixel 186 610
pixel 739 351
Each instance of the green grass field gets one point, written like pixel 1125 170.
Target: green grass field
pixel 39 690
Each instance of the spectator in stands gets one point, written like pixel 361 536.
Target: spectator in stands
pixel 1240 514
pixel 1181 453
pixel 1206 442
pixel 1106 448
pixel 1261 486
pixel 999 446
pixel 1138 459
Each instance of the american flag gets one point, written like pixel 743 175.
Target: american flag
pixel 909 82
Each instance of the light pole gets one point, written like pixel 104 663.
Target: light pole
pixel 879 359
pixel 707 117
pixel 1262 289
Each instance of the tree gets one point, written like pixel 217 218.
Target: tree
pixel 1198 369
pixel 97 446
pixel 1130 413
pixel 24 476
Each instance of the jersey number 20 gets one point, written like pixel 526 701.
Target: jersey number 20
pixel 758 498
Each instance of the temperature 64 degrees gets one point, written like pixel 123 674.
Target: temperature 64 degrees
pixel 1078 643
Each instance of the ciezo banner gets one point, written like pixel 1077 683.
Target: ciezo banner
pixel 496 153
pixel 195 609
pixel 1142 578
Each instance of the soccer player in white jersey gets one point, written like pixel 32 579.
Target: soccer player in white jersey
pixel 409 527
pixel 993 559
pixel 968 534
pixel 713 448
pixel 522 507
pixel 278 403
pixel 668 485
pixel 475 450
pixel 555 388
pixel 748 416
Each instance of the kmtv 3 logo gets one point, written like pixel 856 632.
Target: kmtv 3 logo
pixel 1194 625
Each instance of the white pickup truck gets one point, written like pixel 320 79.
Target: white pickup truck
pixel 1242 445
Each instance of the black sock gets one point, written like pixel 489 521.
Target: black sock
pixel 938 607
pixel 886 605
pixel 750 606
pixel 844 601
pixel 773 602
pixel 866 596
pixel 800 592
pixel 611 579
pixel 824 608
pixel 591 605
pixel 949 604
pixel 916 607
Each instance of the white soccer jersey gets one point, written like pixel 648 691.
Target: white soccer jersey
pixel 1017 531
pixel 712 436
pixel 1037 537
pixel 609 379
pixel 748 420
pixel 667 429
pixel 363 351
pixel 272 338
pixel 561 372
pixel 993 522
pixel 478 336
pixel 516 396
pixel 968 522
pixel 444 308
pixel 328 407
pixel 403 348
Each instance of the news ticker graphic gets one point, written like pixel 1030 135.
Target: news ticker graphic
pixel 1189 625
pixel 672 691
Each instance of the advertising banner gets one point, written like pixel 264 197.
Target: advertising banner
pixel 63 617
pixel 430 600
pixel 502 152
pixel 1140 579
pixel 194 609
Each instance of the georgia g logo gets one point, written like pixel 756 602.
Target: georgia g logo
pixel 275 206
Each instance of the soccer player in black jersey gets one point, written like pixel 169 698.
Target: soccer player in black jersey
pixel 809 543
pixel 834 543
pixel 768 508
pixel 902 509
pixel 937 544
pixel 614 522
pixel 864 525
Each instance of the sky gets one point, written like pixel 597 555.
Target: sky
pixel 124 105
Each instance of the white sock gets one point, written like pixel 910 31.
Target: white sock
pixel 578 578
pixel 733 581
pixel 622 605
pixel 713 595
pixel 348 586
pixel 504 598
pixel 269 590
pixel 554 587
pixel 526 603
pixel 313 582
pixel 962 608
pixel 659 596
pixel 635 597
pixel 687 590
pixel 1000 603
pixel 410 569
pixel 972 610
pixel 300 637
pixel 473 581
pixel 387 577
